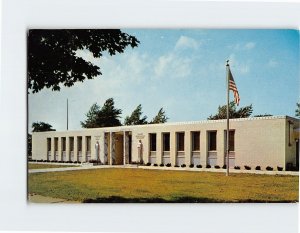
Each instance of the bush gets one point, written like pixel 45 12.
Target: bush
pixel 268 168
pixel 247 167
pixel 176 165
pixel 161 165
pixel 199 166
pixel 258 168
pixel 155 165
pixel 208 166
pixel 191 165
pixel 183 165
pixel 217 166
pixel 237 167
pixel 279 168
pixel 168 165
pixel 148 164
pixel 224 166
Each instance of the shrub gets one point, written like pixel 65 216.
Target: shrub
pixel 247 167
pixel 148 164
pixel 199 166
pixel 279 168
pixel 224 166
pixel 183 165
pixel 208 166
pixel 155 165
pixel 257 168
pixel 268 168
pixel 176 165
pixel 168 165
pixel 217 166
pixel 161 165
pixel 191 165
pixel 237 167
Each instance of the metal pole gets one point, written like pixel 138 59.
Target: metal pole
pixel 67 115
pixel 227 131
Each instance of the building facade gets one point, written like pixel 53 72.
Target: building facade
pixel 258 141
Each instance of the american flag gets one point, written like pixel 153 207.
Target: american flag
pixel 233 87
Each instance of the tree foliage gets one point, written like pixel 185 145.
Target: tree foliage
pixel 160 117
pixel 52 56
pixel 243 112
pixel 107 116
pixel 136 117
pixel 41 127
pixel 297 111
pixel 263 115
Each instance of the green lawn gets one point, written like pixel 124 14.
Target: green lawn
pixel 138 185
pixel 41 166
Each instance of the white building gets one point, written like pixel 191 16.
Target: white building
pixel 258 141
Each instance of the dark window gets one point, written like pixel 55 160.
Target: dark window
pixel 79 143
pixel 71 144
pixel 196 141
pixel 152 141
pixel 180 141
pixel 63 144
pixel 88 143
pixel 212 140
pixel 56 144
pixel 231 140
pixel 48 144
pixel 166 142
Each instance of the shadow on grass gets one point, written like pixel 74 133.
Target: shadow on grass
pixel 118 199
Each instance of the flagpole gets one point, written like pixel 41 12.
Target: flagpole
pixel 67 115
pixel 227 131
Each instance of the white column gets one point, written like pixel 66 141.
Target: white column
pixel 159 146
pixel 124 147
pixel 52 148
pixel 75 150
pixel 68 149
pixel 93 149
pixel 187 147
pixel 110 148
pixel 203 147
pixel 83 149
pixel 173 150
pixel 59 149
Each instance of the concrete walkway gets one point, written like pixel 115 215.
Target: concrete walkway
pixel 90 166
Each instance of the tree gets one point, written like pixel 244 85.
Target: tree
pixel 160 117
pixel 297 111
pixel 136 117
pixel 263 115
pixel 29 146
pixel 107 116
pixel 243 112
pixel 41 127
pixel 52 56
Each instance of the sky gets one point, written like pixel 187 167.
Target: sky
pixel 183 71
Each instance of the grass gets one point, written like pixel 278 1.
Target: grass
pixel 41 166
pixel 138 185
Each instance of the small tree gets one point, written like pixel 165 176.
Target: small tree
pixel 41 127
pixel 243 112
pixel 160 117
pixel 107 116
pixel 297 111
pixel 136 117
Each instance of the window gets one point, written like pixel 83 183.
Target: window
pixel 180 141
pixel 63 144
pixel 79 143
pixel 212 140
pixel 196 141
pixel 88 143
pixel 56 144
pixel 166 141
pixel 48 144
pixel 152 141
pixel 231 140
pixel 71 144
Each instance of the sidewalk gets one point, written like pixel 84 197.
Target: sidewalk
pixel 90 166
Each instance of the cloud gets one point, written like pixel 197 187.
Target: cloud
pixel 243 46
pixel 240 67
pixel 185 42
pixel 272 63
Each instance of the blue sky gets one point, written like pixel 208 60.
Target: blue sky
pixel 184 72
